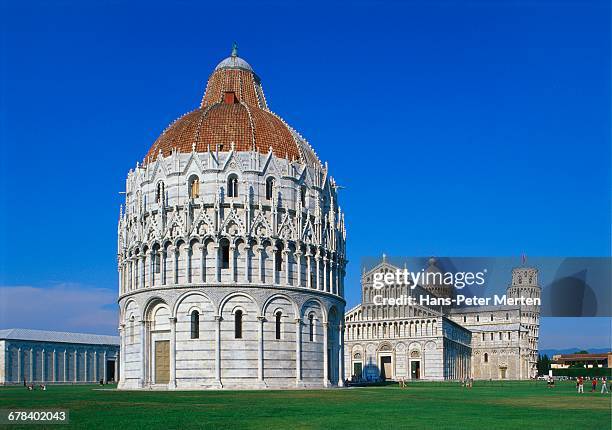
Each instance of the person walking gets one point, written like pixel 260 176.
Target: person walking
pixel 604 385
pixel 580 384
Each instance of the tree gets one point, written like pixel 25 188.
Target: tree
pixel 543 364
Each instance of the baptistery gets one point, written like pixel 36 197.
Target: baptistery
pixel 231 251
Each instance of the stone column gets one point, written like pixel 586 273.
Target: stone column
pixel 120 270
pixel 65 366
pixel 143 355
pixel 325 285
pixel 152 256
pixel 318 269
pixel 232 263
pixel 95 366
pixel 104 374
pixel 85 373
pixel 122 353
pixel 54 369
pixel 117 366
pixel 163 269
pixel 247 264
pixel 19 378
pixel 172 382
pixel 42 365
pixel 260 350
pixel 189 254
pixel 298 351
pixel 341 356
pixel 76 363
pixel 203 263
pixel 31 364
pixel 325 356
pixel 218 319
pixel 132 273
pixel 286 256
pixel 298 259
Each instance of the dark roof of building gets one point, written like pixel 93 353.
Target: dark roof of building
pixel 57 336
pixel 579 357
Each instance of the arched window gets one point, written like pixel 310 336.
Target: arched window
pixel 491 317
pixel 194 187
pixel 232 186
pixel 156 261
pixel 269 188
pixel 507 316
pixel 159 192
pixel 483 337
pixel 279 260
pixel 225 253
pixel 486 357
pixel 195 325
pixel 311 327
pixel 303 195
pixel 238 324
pixel 278 324
pixel 477 317
pixel 464 318
pixel 491 336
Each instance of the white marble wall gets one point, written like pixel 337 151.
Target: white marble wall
pixel 217 359
pixel 49 362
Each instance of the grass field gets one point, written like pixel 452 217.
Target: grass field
pixel 489 405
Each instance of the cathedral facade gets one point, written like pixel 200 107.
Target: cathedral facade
pixel 231 251
pixel 414 341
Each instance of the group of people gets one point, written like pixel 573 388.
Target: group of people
pixel 467 382
pixel 32 387
pixel 604 385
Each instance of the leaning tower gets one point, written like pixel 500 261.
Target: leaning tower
pixel 525 284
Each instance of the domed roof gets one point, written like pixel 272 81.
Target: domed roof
pixel 233 115
pixel 234 62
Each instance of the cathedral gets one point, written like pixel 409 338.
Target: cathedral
pixel 231 251
pixel 414 341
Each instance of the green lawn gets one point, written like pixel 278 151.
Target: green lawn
pixel 489 405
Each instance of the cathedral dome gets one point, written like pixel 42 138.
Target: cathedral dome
pixel 233 115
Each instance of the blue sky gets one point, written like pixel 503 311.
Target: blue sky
pixel 457 128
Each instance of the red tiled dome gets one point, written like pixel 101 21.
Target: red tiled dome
pixel 233 110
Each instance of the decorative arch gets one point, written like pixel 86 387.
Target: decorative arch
pixel 275 296
pixel 185 296
pixel 317 302
pixel 230 296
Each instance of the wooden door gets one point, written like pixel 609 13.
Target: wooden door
pixel 386 369
pixel 162 361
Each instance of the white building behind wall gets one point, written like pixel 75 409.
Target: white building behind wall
pixel 231 251
pixel 49 357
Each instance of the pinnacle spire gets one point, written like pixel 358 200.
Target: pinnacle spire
pixel 234 49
